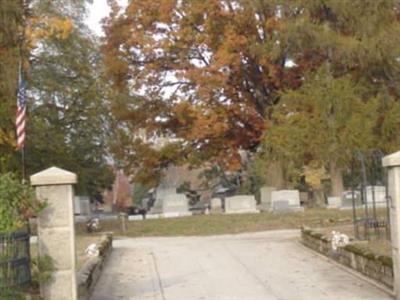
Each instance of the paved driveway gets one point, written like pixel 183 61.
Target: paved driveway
pixel 256 266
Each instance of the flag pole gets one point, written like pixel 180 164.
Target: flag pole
pixel 23 165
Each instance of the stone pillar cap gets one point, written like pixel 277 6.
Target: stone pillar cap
pixel 53 176
pixel 391 160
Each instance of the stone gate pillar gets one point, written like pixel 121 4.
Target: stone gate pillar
pixel 56 234
pixel 392 163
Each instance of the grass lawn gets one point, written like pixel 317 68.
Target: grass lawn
pixel 378 247
pixel 203 225
pixel 322 220
pixel 377 243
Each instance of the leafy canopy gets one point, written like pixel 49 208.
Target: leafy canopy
pixel 68 117
pixel 201 73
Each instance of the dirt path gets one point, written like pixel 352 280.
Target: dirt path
pixel 255 266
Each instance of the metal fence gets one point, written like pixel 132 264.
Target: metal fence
pixel 14 259
pixel 369 195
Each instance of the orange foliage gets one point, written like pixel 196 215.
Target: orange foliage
pixel 40 27
pixel 206 70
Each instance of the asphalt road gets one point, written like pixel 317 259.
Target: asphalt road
pixel 255 266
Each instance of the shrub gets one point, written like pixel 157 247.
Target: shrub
pixel 42 269
pixel 17 203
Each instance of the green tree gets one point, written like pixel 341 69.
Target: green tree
pixel 67 112
pixel 24 25
pixel 322 123
pixel 69 118
pixel 349 102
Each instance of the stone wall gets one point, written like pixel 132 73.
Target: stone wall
pixel 90 272
pixel 376 267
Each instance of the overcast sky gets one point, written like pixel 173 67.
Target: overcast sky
pixel 97 11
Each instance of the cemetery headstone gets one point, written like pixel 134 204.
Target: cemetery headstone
pixel 77 205
pixel 376 192
pixel 153 216
pixel 168 203
pixel 161 193
pixel 281 205
pixel 347 199
pixel 145 203
pixel 175 203
pixel 135 218
pixel 216 205
pixel 279 199
pixel 240 204
pixel 82 205
pixel 334 202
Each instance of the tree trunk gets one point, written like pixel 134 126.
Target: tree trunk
pixel 318 199
pixel 336 174
pixel 275 175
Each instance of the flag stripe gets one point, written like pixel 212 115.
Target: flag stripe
pixel 20 119
pixel 21 128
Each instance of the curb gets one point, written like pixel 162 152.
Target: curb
pixel 349 270
pixel 90 272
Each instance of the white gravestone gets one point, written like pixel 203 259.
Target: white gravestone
pixel 378 192
pixel 241 204
pixel 176 214
pixel 85 206
pixel 216 204
pixel 265 195
pixel 347 199
pixel 281 205
pixel 153 216
pixel 286 200
pixel 77 205
pixel 334 202
pixel 135 218
pixel 175 204
pixel 161 194
pixel 82 205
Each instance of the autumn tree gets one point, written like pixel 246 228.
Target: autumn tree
pixel 349 102
pixel 210 76
pixel 200 73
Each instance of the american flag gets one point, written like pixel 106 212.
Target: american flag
pixel 21 112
